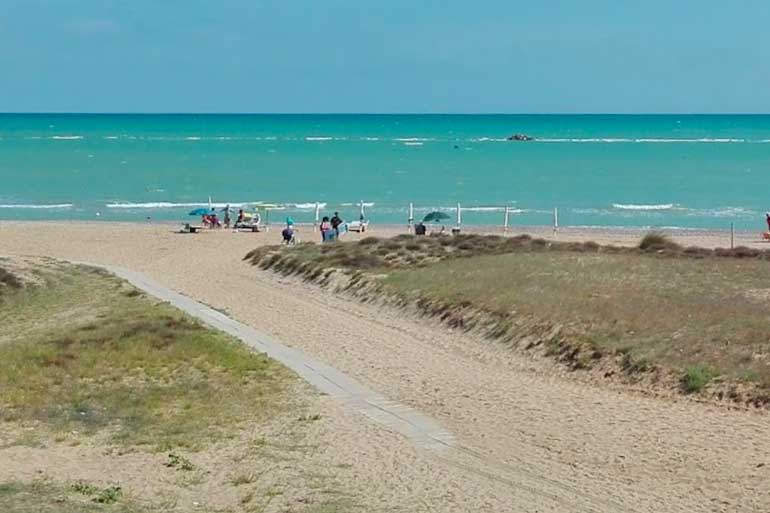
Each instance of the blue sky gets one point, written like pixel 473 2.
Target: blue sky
pixel 385 56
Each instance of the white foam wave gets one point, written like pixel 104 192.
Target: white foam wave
pixel 34 206
pixel 168 204
pixel 631 206
pixel 319 138
pixel 483 209
pixel 413 143
pixel 413 139
pixel 192 138
pixel 155 204
pixel 724 212
pixel 111 137
pixel 66 137
pixel 644 140
pixel 308 206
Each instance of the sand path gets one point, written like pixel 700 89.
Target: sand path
pixel 526 437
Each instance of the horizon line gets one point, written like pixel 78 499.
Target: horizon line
pixel 233 113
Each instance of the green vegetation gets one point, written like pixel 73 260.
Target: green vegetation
pixel 82 351
pixel 45 496
pixel 655 306
pixel 695 378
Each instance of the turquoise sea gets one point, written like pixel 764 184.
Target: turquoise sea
pixel 688 171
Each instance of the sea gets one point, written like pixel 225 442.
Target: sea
pixel 647 171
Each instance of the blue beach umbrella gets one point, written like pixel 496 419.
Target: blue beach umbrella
pixel 435 217
pixel 199 212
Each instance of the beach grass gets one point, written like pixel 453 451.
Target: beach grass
pixel 82 351
pixel 704 314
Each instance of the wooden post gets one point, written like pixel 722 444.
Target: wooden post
pixel 555 219
pixel 505 220
pixel 317 216
pixel 459 216
pixel 410 221
pixel 732 235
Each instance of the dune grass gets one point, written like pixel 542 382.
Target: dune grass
pixel 702 313
pixel 84 352
pixel 681 312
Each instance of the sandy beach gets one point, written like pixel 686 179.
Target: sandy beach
pixel 529 437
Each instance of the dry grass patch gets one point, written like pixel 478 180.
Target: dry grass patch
pixel 120 364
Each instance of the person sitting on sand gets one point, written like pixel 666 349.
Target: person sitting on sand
pixel 420 229
pixel 288 235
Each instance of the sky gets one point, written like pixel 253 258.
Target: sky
pixel 393 56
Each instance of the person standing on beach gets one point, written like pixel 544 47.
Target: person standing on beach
pixel 336 222
pixel 325 228
pixel 767 218
pixel 227 216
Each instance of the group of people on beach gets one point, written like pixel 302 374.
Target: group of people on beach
pixel 330 229
pixel 211 219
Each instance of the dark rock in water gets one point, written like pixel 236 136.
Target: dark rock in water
pixel 520 137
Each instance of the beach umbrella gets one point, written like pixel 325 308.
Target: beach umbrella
pixel 199 212
pixel 435 217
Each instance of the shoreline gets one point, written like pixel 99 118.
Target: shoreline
pixel 612 235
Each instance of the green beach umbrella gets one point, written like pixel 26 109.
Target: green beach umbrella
pixel 435 217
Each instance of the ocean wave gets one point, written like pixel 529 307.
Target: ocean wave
pixel 66 137
pixel 155 204
pixel 725 212
pixel 168 204
pixel 482 209
pixel 413 143
pixel 308 206
pixel 643 140
pixel 319 138
pixel 35 206
pixel 631 206
pixel 413 139
pixel 110 137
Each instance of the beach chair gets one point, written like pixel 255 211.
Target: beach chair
pixel 190 228
pixel 358 226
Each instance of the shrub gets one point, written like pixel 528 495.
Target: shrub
pixel 9 279
pixel 695 378
pixel 654 241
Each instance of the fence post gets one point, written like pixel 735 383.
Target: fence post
pixel 410 221
pixel 732 235
pixel 505 220
pixel 555 219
